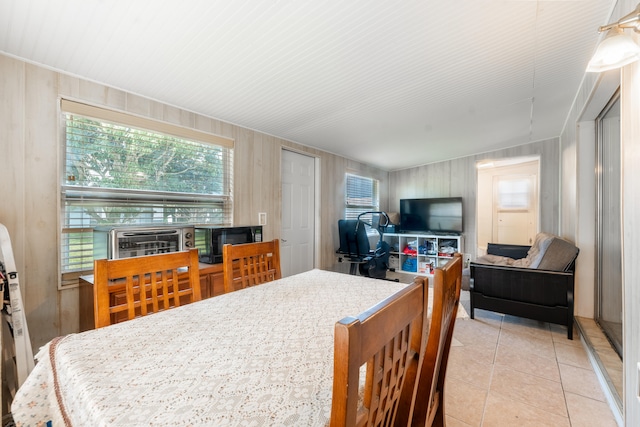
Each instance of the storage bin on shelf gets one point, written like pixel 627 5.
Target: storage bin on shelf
pixel 410 264
pixel 411 261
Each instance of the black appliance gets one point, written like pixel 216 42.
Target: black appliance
pixel 211 239
pixel 431 216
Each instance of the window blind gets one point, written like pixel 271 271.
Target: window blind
pixel 361 196
pixel 122 170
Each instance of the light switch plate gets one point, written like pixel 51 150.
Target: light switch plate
pixel 262 218
pixel 467 260
pixel 638 383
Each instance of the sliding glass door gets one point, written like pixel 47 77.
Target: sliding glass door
pixel 609 229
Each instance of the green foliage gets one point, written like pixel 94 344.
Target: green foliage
pixel 106 155
pixel 136 176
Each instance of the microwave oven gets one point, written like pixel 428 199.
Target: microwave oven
pixel 211 239
pixel 132 241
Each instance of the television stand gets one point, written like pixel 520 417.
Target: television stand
pixel 420 253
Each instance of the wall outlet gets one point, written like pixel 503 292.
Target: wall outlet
pixel 262 218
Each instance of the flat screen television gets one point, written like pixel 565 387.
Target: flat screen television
pixel 431 216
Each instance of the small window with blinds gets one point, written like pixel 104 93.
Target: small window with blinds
pixel 123 170
pixel 514 193
pixel 361 195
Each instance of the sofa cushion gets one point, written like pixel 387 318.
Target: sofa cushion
pixel 559 255
pixel 548 252
pixel 538 249
pixel 534 254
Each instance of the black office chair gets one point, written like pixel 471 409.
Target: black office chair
pixel 355 247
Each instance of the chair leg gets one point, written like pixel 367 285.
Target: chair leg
pixel 353 269
pixel 438 419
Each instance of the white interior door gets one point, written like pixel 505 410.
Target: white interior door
pixel 298 213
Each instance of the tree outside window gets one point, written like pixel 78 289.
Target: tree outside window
pixel 116 174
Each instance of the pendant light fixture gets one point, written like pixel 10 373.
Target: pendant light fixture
pixel 617 49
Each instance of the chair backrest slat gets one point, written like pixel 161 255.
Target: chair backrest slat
pixel 428 407
pixel 389 338
pixel 250 264
pixel 132 287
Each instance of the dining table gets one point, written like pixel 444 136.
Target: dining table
pixel 261 356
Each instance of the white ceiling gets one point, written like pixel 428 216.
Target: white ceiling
pixel 393 83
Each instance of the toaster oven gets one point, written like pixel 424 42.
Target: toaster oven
pixel 134 241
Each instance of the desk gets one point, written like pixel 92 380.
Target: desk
pixel 259 356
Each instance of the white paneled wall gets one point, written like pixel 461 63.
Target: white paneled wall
pixel 458 177
pixel 29 175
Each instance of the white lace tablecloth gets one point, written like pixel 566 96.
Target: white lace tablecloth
pixel 257 357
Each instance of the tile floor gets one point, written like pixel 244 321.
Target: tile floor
pixel 510 371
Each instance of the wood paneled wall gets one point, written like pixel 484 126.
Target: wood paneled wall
pixel 458 177
pixel 30 178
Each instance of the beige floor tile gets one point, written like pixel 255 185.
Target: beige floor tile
pixel 559 334
pixel 526 342
pixel 572 355
pixel 504 412
pixel 480 353
pixel 474 370
pixel 530 366
pixel 585 412
pixel 452 422
pixel 488 317
pixel 590 326
pixel 470 332
pixel 464 402
pixel 523 361
pixel 528 388
pixel 611 360
pixel 583 382
pixel 604 354
pixel 533 328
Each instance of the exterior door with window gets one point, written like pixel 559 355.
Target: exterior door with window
pixel 515 209
pixel 508 201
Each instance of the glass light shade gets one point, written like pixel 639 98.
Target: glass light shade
pixel 615 51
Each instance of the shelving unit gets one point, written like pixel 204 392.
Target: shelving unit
pixel 419 254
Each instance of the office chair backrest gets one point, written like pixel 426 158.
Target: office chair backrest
pixel 354 241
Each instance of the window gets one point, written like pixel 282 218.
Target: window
pixel 121 169
pixel 514 193
pixel 361 196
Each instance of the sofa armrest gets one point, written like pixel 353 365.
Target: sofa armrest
pixel 511 251
pixel 544 287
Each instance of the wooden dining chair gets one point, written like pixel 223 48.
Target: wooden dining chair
pixel 132 287
pixel 250 264
pixel 428 407
pixel 389 339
